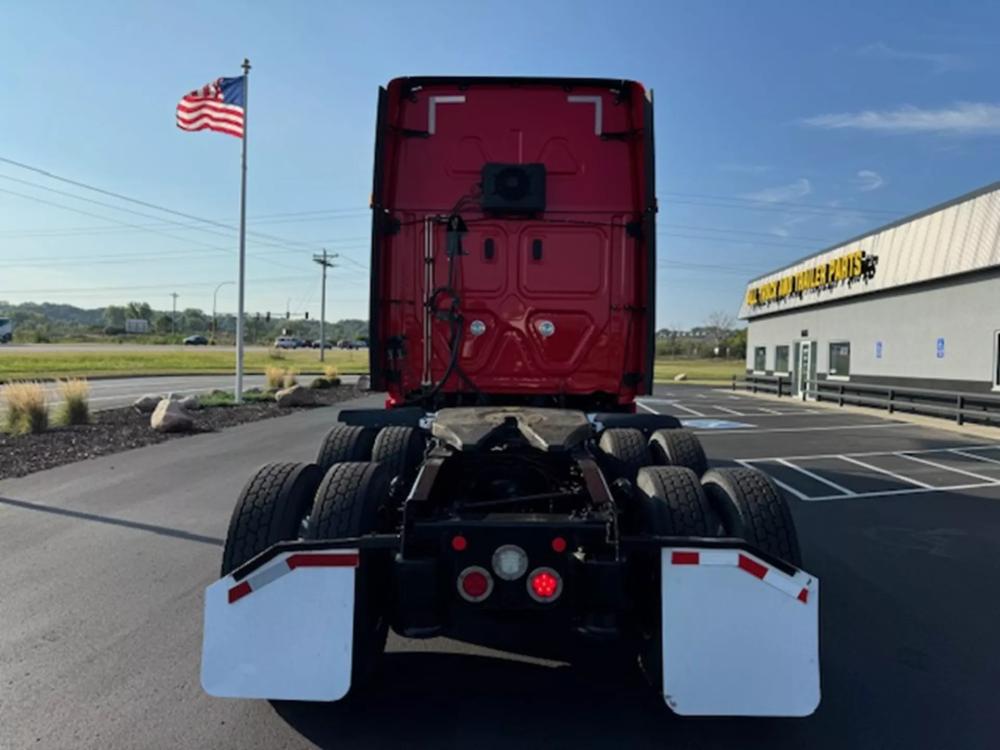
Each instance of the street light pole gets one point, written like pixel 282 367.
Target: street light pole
pixel 173 317
pixel 215 296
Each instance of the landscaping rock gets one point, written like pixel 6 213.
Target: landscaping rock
pixel 169 416
pixel 295 396
pixel 190 403
pixel 364 383
pixel 146 404
pixel 680 376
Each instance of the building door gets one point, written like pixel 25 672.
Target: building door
pixel 805 368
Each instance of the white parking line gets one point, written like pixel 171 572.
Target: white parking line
pixel 813 475
pixel 806 429
pixel 894 493
pixel 976 456
pixel 948 468
pixel 894 475
pixel 689 411
pixel 866 454
pixel 729 411
pixel 768 411
pixel 788 488
pixel 647 408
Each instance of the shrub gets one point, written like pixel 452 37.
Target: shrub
pixel 274 376
pixel 289 378
pixel 330 371
pixel 27 407
pixel 75 408
pixel 320 383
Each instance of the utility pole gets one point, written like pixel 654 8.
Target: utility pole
pixel 173 317
pixel 326 261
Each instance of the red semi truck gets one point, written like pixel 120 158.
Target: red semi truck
pixel 509 482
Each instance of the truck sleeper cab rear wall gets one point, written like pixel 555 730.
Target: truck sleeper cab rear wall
pixel 556 303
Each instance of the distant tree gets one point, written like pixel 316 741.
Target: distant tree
pixel 163 323
pixel 139 311
pixel 114 316
pixel 192 320
pixel 735 345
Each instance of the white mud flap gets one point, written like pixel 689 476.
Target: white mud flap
pixel 285 631
pixel 740 637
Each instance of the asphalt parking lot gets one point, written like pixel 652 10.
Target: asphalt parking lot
pixel 104 563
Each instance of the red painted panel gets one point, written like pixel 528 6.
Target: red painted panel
pixel 573 268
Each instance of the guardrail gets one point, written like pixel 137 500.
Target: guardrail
pixel 962 406
pixel 776 384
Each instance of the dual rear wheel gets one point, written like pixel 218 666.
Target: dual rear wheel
pixel 627 451
pixel 345 494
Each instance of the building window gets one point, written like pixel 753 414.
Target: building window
pixel 781 359
pixel 759 358
pixel 840 359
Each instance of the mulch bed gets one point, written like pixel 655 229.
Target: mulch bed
pixel 116 430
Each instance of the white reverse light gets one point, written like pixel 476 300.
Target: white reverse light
pixel 510 562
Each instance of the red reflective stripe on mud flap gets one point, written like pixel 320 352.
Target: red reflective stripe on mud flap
pixel 803 596
pixel 752 567
pixel 330 560
pixel 238 591
pixel 684 558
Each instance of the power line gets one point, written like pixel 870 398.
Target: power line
pixel 281 241
pixel 789 204
pixel 112 220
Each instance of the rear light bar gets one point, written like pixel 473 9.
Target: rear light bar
pixel 475 584
pixel 545 585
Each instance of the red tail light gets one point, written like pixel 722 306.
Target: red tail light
pixel 544 585
pixel 475 584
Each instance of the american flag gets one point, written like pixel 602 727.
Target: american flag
pixel 215 106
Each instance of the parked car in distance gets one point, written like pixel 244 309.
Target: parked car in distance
pixel 315 345
pixel 195 341
pixel 287 342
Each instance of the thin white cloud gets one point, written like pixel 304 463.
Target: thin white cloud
pixel 964 118
pixel 940 62
pixel 783 229
pixel 781 193
pixel 867 180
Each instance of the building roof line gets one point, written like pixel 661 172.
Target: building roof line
pixel 992 187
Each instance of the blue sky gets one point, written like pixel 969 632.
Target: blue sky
pixel 781 128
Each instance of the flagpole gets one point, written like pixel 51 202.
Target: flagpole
pixel 238 393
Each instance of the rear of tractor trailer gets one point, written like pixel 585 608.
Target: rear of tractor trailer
pixel 509 488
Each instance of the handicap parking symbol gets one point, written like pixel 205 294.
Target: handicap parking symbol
pixel 714 424
pixel 940 348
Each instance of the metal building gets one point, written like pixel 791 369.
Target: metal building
pixel 915 303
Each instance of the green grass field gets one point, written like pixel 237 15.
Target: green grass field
pixel 698 370
pixel 42 364
pixel 46 364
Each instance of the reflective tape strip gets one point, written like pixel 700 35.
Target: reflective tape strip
pixel 790 585
pixel 282 565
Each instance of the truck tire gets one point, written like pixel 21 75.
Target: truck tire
pixel 346 442
pixel 269 510
pixel 347 505
pixel 627 450
pixel 678 448
pixel 400 450
pixel 752 508
pixel 671 502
